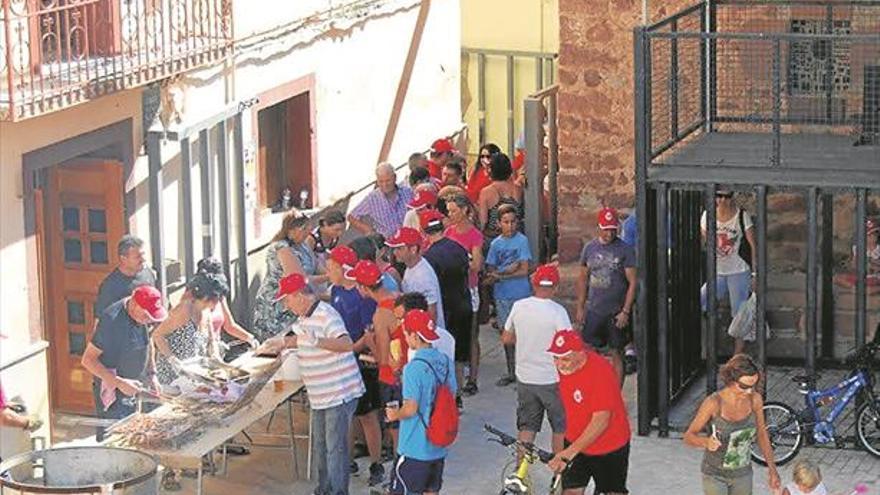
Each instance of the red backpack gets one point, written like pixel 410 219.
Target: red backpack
pixel 443 426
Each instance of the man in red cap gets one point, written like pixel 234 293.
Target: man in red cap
pixel 419 467
pixel 442 151
pixel 119 356
pixel 451 264
pixel 419 276
pixel 357 314
pixel 424 199
pixel 330 374
pixel 389 348
pixel 597 428
pixel 606 290
pixel 532 323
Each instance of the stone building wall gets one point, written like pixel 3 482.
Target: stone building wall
pixel 596 110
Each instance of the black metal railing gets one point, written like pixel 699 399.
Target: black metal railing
pixel 736 66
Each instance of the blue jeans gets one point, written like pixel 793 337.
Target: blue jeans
pixel 738 286
pixel 330 459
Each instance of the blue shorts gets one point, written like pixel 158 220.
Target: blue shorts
pixel 388 393
pixel 413 476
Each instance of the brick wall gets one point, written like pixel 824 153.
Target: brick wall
pixel 595 110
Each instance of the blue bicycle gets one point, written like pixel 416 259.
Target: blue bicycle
pixel 789 429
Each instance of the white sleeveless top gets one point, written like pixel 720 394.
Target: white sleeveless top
pixel 794 490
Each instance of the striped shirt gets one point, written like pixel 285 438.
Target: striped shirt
pixel 331 378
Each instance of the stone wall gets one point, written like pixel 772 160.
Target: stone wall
pixel 596 110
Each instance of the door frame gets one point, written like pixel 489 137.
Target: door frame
pixel 112 142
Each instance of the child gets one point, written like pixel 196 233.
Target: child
pixel 807 480
pixel 507 267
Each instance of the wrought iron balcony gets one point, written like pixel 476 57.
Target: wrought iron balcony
pixel 57 53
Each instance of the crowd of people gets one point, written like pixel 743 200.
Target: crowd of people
pixel 387 325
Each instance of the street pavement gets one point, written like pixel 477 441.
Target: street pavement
pixel 475 466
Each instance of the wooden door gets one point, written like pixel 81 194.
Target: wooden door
pixel 83 223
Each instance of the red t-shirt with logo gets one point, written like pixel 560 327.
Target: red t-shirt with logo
pixel 591 389
pixel 434 169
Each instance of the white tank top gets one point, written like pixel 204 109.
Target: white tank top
pixel 794 490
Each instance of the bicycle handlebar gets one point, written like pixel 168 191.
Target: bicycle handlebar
pixel 508 440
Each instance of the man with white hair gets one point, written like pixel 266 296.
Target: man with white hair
pixel 383 209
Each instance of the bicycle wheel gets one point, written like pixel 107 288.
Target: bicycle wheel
pixel 785 432
pixel 868 427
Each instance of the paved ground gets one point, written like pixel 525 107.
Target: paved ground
pixel 657 465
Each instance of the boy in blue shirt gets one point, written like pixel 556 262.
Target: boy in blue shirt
pixel 419 466
pixel 507 267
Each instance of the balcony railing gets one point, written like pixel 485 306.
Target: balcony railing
pixel 57 53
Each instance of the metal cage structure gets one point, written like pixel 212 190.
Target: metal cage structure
pixel 760 97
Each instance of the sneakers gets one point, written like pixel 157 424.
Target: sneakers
pixel 459 403
pixel 470 388
pixel 505 381
pixel 377 474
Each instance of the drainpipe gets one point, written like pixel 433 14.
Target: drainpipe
pixel 644 12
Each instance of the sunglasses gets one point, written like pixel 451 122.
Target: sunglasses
pixel 724 195
pixel 485 157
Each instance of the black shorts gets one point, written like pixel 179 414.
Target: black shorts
pixel 389 393
pixel 532 401
pixel 370 401
pixel 601 332
pixel 414 476
pixel 459 324
pixel 607 470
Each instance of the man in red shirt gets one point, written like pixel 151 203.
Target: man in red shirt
pixel 442 151
pixel 597 428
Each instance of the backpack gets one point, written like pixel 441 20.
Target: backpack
pixel 442 429
pixel 745 249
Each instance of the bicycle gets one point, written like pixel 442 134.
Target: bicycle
pixel 789 429
pixel 519 482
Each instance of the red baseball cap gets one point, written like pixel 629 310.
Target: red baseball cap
pixel 423 198
pixel 344 255
pixel 872 226
pixel 430 218
pixel 150 300
pixel 419 321
pixel 290 284
pixel 365 272
pixel 608 219
pixel 565 342
pixel 405 236
pixel 442 145
pixel 546 276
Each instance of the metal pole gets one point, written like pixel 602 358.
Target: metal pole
pixel 712 65
pixel 156 183
pixel 534 118
pixel 223 191
pixel 481 97
pixel 186 205
pixel 861 266
pixel 829 63
pixel 673 84
pixel 206 167
pixel 662 192
pixel 761 274
pixel 510 103
pixel 704 72
pixel 539 73
pixel 776 158
pixel 812 278
pixel 553 174
pixel 642 153
pixel 711 290
pixel 827 274
pixel 243 294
